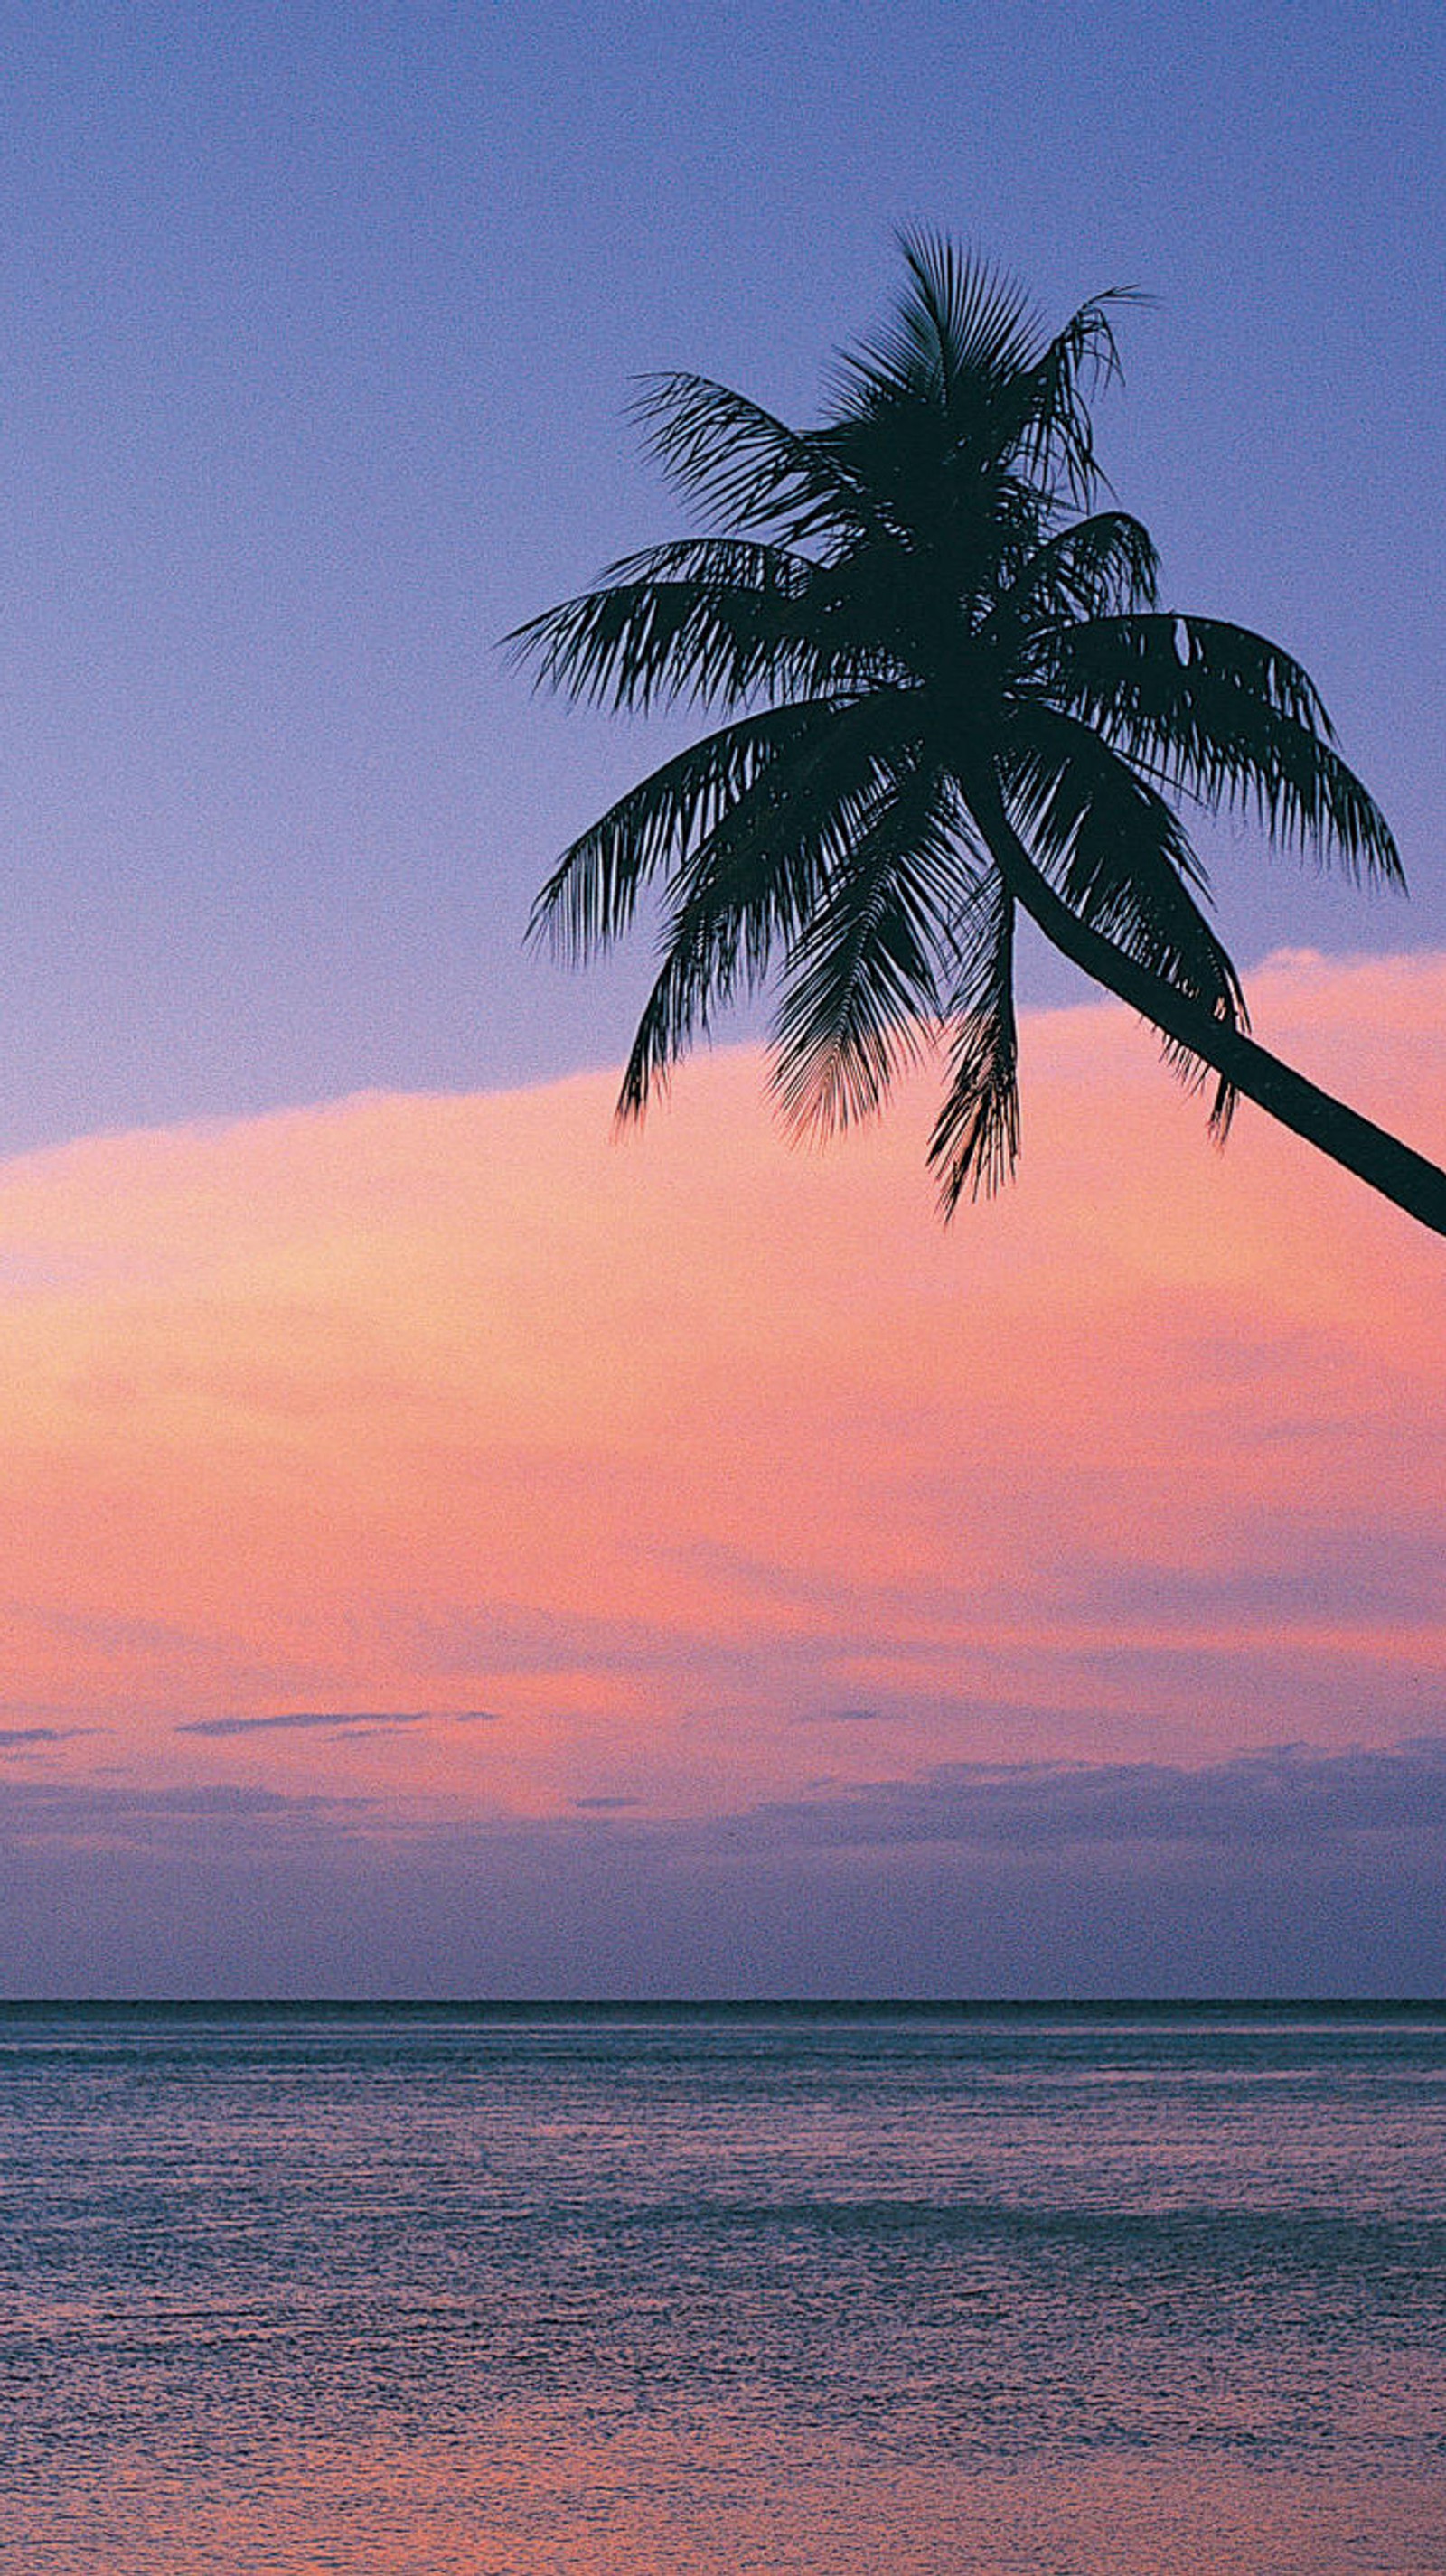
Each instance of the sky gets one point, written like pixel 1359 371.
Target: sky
pixel 448 1550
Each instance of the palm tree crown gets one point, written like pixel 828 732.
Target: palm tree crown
pixel 949 695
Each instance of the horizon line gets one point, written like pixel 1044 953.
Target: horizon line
pixel 501 2005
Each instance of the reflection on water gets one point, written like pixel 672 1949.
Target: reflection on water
pixel 670 2508
pixel 389 2292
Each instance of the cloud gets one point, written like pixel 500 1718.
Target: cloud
pixel 240 1817
pixel 1362 1568
pixel 293 1720
pixel 1286 1871
pixel 17 1739
pixel 845 1716
pixel 1258 1804
pixel 690 1456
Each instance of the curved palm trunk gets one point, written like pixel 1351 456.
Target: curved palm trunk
pixel 1376 1157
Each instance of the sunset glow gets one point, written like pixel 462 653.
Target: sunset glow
pixel 672 1474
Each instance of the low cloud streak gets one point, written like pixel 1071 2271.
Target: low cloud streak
pixel 1285 1872
pixel 294 1721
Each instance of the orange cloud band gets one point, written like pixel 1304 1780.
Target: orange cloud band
pixel 708 1469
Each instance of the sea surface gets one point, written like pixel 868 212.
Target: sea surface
pixel 448 2291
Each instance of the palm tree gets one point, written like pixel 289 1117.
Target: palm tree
pixel 950 696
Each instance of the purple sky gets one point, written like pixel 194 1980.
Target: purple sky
pixel 320 322
pixel 320 326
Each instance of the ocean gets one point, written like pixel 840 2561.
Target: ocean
pixel 917 2291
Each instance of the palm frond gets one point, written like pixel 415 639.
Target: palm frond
pixel 592 894
pixel 959 414
pixel 861 990
pixel 710 620
pixel 976 1135
pixel 1122 860
pixel 1056 429
pixel 958 325
pixel 1102 566
pixel 758 876
pixel 739 467
pixel 1229 719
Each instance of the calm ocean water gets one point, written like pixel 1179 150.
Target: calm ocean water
pixel 440 2293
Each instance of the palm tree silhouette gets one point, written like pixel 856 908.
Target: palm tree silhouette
pixel 951 697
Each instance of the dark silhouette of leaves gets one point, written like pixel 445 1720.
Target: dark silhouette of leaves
pixel 951 695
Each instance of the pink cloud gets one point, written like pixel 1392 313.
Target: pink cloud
pixel 679 1453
